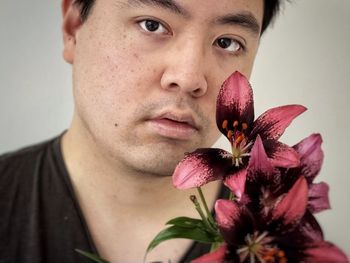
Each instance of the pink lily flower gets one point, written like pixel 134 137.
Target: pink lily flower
pixel 267 185
pixel 235 119
pixel 288 233
pixel 311 159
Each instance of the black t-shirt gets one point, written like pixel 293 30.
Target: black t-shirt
pixel 40 218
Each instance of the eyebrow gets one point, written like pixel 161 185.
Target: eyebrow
pixel 164 4
pixel 245 19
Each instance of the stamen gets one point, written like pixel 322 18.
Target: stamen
pixel 258 248
pixel 224 124
pixel 229 135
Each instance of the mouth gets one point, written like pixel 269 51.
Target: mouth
pixel 174 125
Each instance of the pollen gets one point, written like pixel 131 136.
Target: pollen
pixel 236 134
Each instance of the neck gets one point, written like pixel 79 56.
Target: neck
pixel 93 171
pixel 120 205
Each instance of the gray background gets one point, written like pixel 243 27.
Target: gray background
pixel 304 59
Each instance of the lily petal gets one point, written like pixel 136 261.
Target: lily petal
pixel 318 197
pixel 293 206
pixel 326 252
pixel 273 122
pixel 259 163
pixel 281 155
pixel 217 256
pixel 235 101
pixel 311 156
pixel 232 222
pixel 200 167
pixel 310 228
pixel 236 183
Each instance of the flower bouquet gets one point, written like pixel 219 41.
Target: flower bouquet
pixel 268 215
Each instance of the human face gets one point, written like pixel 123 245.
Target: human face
pixel 146 75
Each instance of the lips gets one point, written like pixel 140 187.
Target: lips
pixel 174 125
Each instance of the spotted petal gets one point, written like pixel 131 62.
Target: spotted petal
pixel 200 167
pixel 235 102
pixel 272 123
pixel 232 221
pixel 217 256
pixel 318 197
pixel 293 206
pixel 311 156
pixel 259 163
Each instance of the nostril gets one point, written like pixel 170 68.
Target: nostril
pixel 173 85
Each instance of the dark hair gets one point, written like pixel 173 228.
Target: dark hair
pixel 271 8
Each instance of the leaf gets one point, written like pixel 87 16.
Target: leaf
pixel 186 222
pixel 194 233
pixel 91 256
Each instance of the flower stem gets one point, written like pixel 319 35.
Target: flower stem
pixel 200 211
pixel 209 215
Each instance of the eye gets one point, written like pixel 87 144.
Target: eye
pixel 229 44
pixel 153 26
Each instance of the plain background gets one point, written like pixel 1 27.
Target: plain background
pixel 303 59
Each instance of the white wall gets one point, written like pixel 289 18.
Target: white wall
pixel 304 59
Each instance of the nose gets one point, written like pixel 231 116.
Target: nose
pixel 184 69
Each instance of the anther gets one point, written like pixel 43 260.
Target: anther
pixel 229 134
pixel 224 124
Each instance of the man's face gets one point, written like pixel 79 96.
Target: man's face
pixel 146 75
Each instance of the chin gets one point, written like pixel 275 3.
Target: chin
pixel 155 163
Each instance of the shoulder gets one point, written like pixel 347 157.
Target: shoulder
pixel 25 156
pixel 22 167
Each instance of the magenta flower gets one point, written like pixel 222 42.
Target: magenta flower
pixel 264 185
pixel 273 221
pixel 288 233
pixel 311 158
pixel 235 119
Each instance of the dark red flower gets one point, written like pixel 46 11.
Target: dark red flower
pixel 288 233
pixel 235 119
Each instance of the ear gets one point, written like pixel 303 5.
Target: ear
pixel 71 23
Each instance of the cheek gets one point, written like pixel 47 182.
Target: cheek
pixel 109 74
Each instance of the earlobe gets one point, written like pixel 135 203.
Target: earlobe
pixel 71 23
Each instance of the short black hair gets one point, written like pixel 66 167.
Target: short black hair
pixel 271 9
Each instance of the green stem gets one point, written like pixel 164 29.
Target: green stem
pixel 200 211
pixel 210 217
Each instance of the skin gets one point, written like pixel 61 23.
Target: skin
pixel 132 87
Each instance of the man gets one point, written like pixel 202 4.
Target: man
pixel 146 74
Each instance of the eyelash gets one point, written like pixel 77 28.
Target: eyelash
pixel 165 31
